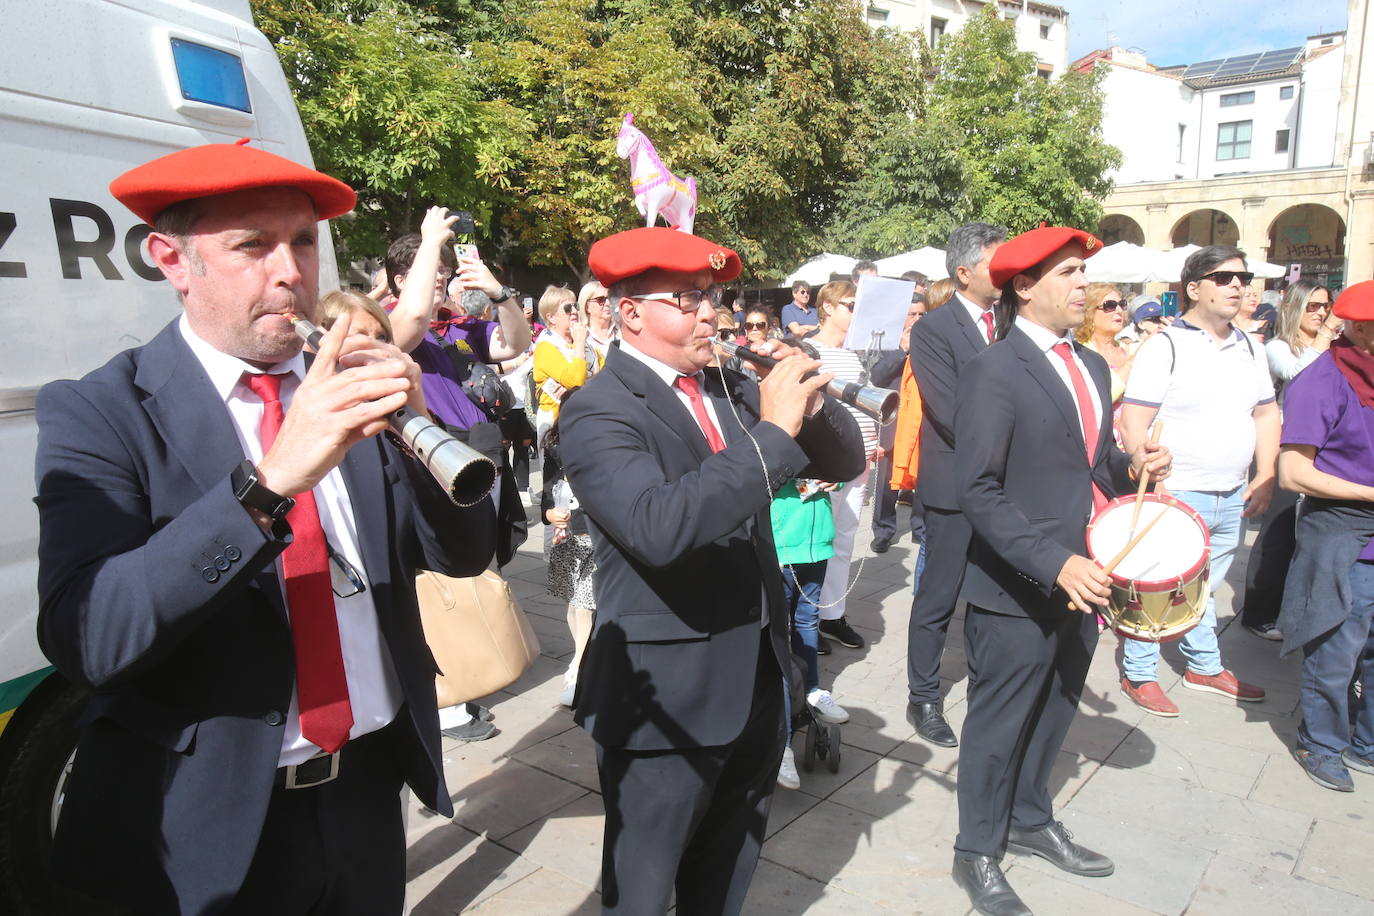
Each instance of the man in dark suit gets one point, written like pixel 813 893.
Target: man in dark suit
pixel 1035 455
pixel 227 553
pixel 682 683
pixel 941 344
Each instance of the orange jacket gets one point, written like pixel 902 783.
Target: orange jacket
pixel 906 446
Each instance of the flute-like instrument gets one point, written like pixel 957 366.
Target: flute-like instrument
pixel 878 403
pixel 464 473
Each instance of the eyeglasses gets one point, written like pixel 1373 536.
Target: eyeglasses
pixel 1110 305
pixel 1317 306
pixel 599 300
pixel 756 325
pixel 343 575
pixel 687 300
pixel 1224 277
pixel 569 308
pixel 801 292
pixel 725 333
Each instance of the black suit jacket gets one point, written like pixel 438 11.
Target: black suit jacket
pixel 191 672
pixel 1024 480
pixel 942 343
pixel 684 550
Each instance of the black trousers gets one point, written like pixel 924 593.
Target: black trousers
pixel 947 536
pixel 1021 701
pixel 336 849
pixel 885 508
pixel 1267 570
pixel 693 819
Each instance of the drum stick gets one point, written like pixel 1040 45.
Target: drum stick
pixel 1130 545
pixel 1144 479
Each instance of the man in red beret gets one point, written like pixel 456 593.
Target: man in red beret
pixel 1328 601
pixel 682 684
pixel 226 562
pixel 1035 454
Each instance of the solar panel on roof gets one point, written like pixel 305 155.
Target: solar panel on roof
pixel 1205 68
pixel 1243 64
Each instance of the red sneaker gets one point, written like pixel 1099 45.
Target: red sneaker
pixel 1224 684
pixel 1149 697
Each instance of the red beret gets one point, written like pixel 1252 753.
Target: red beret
pixel 221 168
pixel 1356 303
pixel 626 254
pixel 1030 248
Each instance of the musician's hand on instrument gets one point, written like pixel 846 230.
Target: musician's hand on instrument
pixel 361 351
pixel 1257 496
pixel 786 398
pixel 331 411
pixel 1153 459
pixel 1086 584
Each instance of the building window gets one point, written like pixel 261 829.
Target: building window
pixel 1285 92
pixel 1327 41
pixel 877 16
pixel 937 29
pixel 1182 129
pixel 1237 98
pixel 1233 140
pixel 1044 71
pixel 1281 141
pixel 1045 31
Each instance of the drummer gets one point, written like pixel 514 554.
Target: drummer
pixel 1035 453
pixel 1328 426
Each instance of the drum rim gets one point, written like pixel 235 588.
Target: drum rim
pixel 1155 585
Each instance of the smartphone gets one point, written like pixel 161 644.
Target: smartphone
pixel 464 225
pixel 1168 302
pixel 467 252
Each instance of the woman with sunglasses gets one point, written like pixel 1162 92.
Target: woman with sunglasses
pixel 562 357
pixel 595 307
pixel 754 330
pixel 1303 332
pixel 1103 320
pixel 835 308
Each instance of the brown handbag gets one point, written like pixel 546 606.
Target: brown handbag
pixel 478 633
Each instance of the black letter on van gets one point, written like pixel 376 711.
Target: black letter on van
pixel 133 250
pixel 70 251
pixel 10 268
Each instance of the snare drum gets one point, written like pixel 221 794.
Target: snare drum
pixel 1159 591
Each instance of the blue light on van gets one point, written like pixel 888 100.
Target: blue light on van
pixel 210 75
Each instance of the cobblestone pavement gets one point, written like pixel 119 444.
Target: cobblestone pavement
pixel 1206 813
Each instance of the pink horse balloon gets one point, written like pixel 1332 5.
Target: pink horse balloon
pixel 658 192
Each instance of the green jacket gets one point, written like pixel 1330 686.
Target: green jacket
pixel 803 529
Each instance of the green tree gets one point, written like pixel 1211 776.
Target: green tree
pixel 389 109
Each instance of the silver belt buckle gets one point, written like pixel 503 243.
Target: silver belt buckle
pixel 291 772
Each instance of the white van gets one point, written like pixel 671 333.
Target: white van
pixel 88 89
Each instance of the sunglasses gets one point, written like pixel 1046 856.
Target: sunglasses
pixel 847 303
pixel 756 325
pixel 1317 306
pixel 1110 305
pixel 1224 277
pixel 569 308
pixel 598 300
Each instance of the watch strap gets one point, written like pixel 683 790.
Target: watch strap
pixel 249 492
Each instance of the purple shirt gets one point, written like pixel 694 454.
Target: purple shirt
pixel 443 392
pixel 1321 409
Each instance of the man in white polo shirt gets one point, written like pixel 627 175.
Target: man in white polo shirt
pixel 1209 384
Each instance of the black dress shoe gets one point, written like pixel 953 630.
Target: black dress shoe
pixel 987 888
pixel 930 722
pixel 1055 844
pixel 881 544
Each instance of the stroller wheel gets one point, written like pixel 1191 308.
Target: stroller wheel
pixel 833 761
pixel 809 755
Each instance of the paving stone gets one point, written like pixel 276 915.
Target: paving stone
pixel 1156 872
pixel 1338 857
pixel 1171 750
pixel 569 755
pixel 893 788
pixel 778 891
pixel 1283 784
pixel 543 893
pixel 475 871
pixel 1242 828
pixel 787 806
pixel 820 782
pixel 500 798
pixel 1230 886
pixel 568 841
pixel 1046 893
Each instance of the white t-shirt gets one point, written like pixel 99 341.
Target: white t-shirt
pixel 1206 393
pixel 847 368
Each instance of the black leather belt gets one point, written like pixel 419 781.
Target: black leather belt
pixel 316 771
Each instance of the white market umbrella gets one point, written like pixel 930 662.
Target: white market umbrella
pixel 1266 271
pixel 1127 263
pixel 817 270
pixel 927 260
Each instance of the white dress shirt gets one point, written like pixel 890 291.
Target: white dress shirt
pixel 1046 339
pixel 374 692
pixel 669 375
pixel 975 312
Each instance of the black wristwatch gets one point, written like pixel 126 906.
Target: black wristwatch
pixel 247 490
pixel 506 293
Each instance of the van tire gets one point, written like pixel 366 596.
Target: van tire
pixel 34 760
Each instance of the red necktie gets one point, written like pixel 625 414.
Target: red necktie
pixel 987 322
pixel 689 386
pixel 321 687
pixel 1086 415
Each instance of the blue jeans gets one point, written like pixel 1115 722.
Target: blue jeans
pixel 1329 662
pixel 803 595
pixel 1221 512
pixel 920 541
